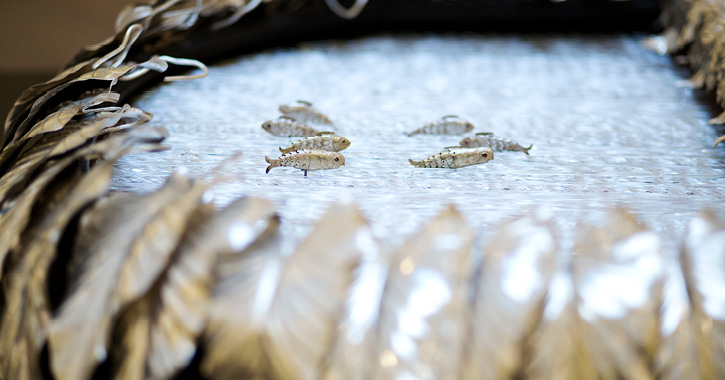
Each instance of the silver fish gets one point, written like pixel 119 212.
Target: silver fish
pixel 496 143
pixel 447 125
pixel 289 127
pixel 456 157
pixel 304 112
pixel 325 141
pixel 307 159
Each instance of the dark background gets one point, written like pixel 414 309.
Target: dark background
pixel 38 37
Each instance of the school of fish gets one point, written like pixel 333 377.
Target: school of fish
pixel 318 150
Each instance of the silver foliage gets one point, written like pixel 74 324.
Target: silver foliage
pixel 151 277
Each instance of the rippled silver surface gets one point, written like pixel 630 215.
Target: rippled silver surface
pixel 609 124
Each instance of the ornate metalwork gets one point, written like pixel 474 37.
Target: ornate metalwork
pixel 140 281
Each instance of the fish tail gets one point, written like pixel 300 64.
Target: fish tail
pixel 414 163
pixel 285 150
pixel 272 164
pixel 526 150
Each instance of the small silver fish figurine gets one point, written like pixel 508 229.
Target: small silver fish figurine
pixel 289 127
pixel 304 112
pixel 447 125
pixel 307 159
pixel 456 157
pixel 494 142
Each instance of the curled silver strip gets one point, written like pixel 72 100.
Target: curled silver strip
pixel 347 13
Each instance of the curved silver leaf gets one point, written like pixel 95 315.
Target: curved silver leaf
pixel 422 314
pixel 55 144
pixel 55 122
pixel 130 14
pixel 24 326
pixel 618 274
pixel 160 330
pixel 58 119
pixel 703 265
pixel 276 316
pixel 30 95
pixel 677 357
pixel 517 266
pixel 108 74
pixel 350 356
pixel 15 220
pixel 560 347
pixel 126 242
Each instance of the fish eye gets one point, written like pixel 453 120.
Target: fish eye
pixel 337 159
pixel 485 155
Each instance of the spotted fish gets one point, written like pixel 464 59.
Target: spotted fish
pixel 289 127
pixel 496 143
pixel 447 125
pixel 304 112
pixel 456 157
pixel 325 141
pixel 307 159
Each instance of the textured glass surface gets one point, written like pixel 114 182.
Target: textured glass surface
pixel 611 124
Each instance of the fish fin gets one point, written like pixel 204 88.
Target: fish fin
pixel 718 120
pixel 484 133
pixel 325 133
pixel 450 117
pixel 452 147
pixel 287 118
pixel 304 102
pixel 718 141
pixel 526 150
pixel 271 164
